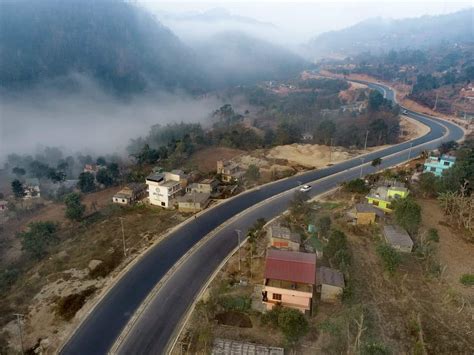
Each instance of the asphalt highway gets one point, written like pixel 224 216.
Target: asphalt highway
pixel 154 329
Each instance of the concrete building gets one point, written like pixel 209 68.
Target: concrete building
pixel 130 194
pixel 329 283
pixel 193 202
pixel 282 238
pixel 3 206
pixel 437 165
pixel 32 188
pixel 163 188
pixel 235 347
pixel 366 214
pixel 382 196
pixel 229 171
pixel 398 238
pixel 290 278
pixel 207 186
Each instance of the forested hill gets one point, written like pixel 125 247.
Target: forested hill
pixel 381 35
pixel 116 43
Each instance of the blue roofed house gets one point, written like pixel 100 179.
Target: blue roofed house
pixel 437 165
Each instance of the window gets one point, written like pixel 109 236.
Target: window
pixel 123 200
pixel 276 296
pixel 446 163
pixel 432 169
pixel 163 204
pixel 375 203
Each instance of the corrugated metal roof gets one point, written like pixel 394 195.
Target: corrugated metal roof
pixel 290 266
pixel 328 276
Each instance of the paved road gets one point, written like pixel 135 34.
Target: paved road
pixel 152 331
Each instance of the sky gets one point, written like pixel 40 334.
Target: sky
pixel 303 20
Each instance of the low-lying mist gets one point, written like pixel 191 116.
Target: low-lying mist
pixel 87 119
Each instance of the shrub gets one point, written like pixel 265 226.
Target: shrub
pixel 291 322
pixel 391 259
pixel 39 237
pixel 407 214
pixel 467 279
pixel 356 186
pixel 8 278
pixel 432 235
pixel 237 303
pixel 67 307
pixel 74 208
pixel 109 263
pixel 336 250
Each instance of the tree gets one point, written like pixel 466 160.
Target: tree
pixel 356 186
pixel 293 324
pixel 18 171
pixel 101 161
pixel 18 189
pixel 407 214
pixel 324 225
pixel 56 176
pixel 336 250
pixel 391 259
pixel 103 177
pixel 86 182
pixel 39 237
pixel 325 131
pixel 74 209
pixel 253 173
pixel 376 100
pixel 376 162
pixel 446 147
pixel 429 184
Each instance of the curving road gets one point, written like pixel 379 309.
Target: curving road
pixel 154 328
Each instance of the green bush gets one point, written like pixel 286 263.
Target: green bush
pixel 291 322
pixel 407 214
pixel 356 186
pixel 390 258
pixel 237 303
pixel 432 235
pixel 67 307
pixel 467 279
pixel 39 237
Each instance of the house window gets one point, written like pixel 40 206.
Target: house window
pixel 432 169
pixel 375 203
pixel 389 206
pixel 276 296
pixel 123 200
pixel 163 204
pixel 446 163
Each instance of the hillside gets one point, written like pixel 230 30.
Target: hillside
pixel 118 44
pixel 233 58
pixel 124 48
pixel 380 35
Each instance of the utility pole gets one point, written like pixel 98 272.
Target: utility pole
pixel 18 322
pixel 366 136
pixel 123 238
pixel 251 257
pixel 238 231
pixel 409 151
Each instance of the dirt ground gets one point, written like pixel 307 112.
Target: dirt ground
pixel 455 254
pixel 411 129
pixel 205 159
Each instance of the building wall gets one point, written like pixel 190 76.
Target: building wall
pixel 289 298
pixel 381 204
pixel 191 207
pixel 284 244
pixel 396 193
pixel 364 218
pixel 330 293
pixel 160 195
pixel 121 200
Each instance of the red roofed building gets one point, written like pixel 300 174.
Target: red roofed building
pixel 290 278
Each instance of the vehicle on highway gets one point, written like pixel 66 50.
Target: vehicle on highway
pixel 305 188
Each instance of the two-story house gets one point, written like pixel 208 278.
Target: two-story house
pixel 230 172
pixel 290 279
pixel 206 186
pixel 383 196
pixel 163 188
pixel 437 165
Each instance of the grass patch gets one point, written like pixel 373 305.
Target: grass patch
pixel 467 279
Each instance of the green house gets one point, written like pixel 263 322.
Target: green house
pixel 383 196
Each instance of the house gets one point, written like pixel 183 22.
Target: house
pixel 282 238
pixel 437 165
pixel 398 238
pixel 130 194
pixel 229 171
pixel 3 206
pixel 290 279
pixel 32 188
pixel 383 196
pixel 235 347
pixel 207 186
pixel 193 202
pixel 366 214
pixel 329 283
pixel 177 175
pixel 92 168
pixel 163 188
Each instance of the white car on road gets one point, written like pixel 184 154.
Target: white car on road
pixel 305 188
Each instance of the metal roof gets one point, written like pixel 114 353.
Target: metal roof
pixel 284 233
pixel 290 266
pixel 328 276
pixel 397 236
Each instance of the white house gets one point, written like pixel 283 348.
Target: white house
pixel 162 188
